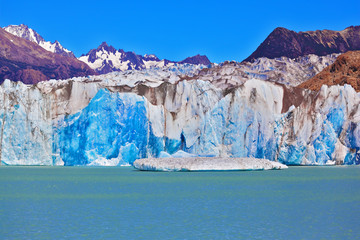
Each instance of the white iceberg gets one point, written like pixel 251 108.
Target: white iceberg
pixel 205 164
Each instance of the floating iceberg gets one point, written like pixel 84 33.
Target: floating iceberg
pixel 205 164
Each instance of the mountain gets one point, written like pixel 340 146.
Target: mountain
pixel 105 59
pixel 345 70
pixel 27 33
pixel 25 61
pixel 198 59
pixel 116 118
pixel 283 42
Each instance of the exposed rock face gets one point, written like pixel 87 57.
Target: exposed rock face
pixel 345 70
pixel 25 61
pixel 117 118
pixel 205 164
pixel 105 59
pixel 27 33
pixel 283 42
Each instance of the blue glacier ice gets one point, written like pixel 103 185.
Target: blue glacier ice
pixel 26 126
pixel 91 122
pixel 336 117
pixel 114 126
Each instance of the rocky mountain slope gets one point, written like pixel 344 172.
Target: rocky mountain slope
pixel 26 61
pixel 105 59
pixel 345 70
pixel 286 43
pixel 116 118
pixel 27 33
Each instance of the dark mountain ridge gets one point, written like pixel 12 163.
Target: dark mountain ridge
pixel 283 42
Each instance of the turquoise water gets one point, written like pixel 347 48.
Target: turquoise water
pixel 122 203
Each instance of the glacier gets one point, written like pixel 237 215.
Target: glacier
pixel 116 118
pixel 287 71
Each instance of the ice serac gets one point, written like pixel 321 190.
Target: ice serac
pixel 284 70
pixel 119 117
pixel 26 125
pixel 113 129
pixel 206 164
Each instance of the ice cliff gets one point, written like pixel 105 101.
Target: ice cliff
pixel 117 118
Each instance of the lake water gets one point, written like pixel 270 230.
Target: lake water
pixel 122 203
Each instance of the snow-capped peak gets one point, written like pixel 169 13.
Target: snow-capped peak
pixel 106 58
pixel 104 46
pixel 27 33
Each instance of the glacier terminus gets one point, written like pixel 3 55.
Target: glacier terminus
pixel 116 118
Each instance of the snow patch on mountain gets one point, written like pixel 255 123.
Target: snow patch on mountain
pixel 27 33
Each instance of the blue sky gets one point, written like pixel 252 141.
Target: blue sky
pixel 222 30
